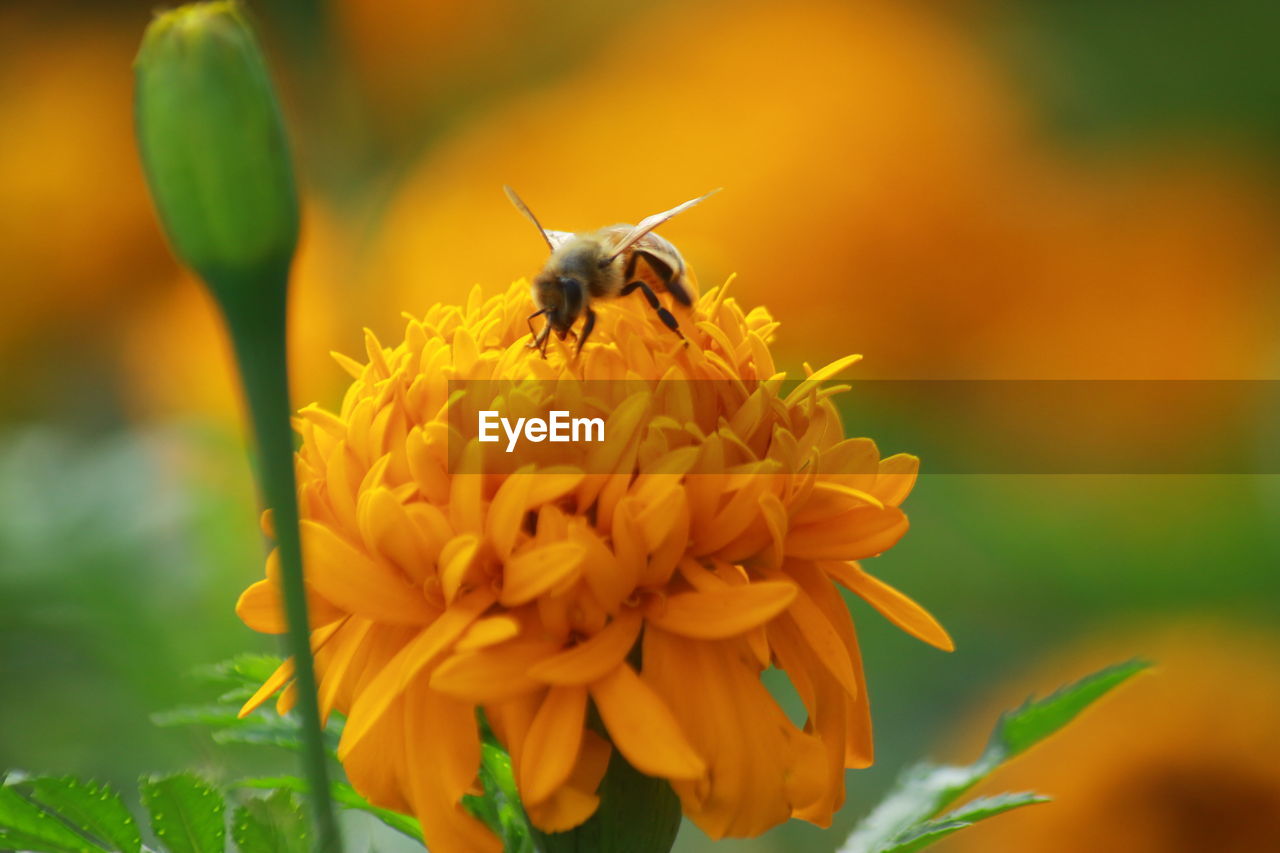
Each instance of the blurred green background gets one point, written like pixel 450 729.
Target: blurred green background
pixel 994 190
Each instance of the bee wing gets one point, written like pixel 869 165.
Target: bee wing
pixel 558 238
pixel 651 222
pixel 524 208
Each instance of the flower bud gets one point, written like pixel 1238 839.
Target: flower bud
pixel 214 149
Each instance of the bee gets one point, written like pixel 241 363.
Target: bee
pixel 604 264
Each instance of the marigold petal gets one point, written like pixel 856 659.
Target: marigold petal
pixel 853 535
pixel 822 637
pixel 828 707
pixel 287 699
pixel 338 667
pixel 551 484
pixel 320 637
pixel 819 376
pixel 859 746
pixel 725 612
pixel 567 808
pixel 892 604
pixel 262 609
pixel 595 657
pixel 629 546
pixel 356 583
pixel 487 632
pixel 274 682
pixel 774 515
pixel 551 745
pixel 441 734
pixel 620 426
pixel 423 650
pixel 510 720
pixel 643 727
pixel 749 745
pixel 506 512
pixel 531 573
pixel 388 531
pixel 457 559
pixel 430 473
pixel 372 766
pixel 601 568
pixel 742 510
pixel 830 498
pixel 896 477
pixel 494 673
pixel 265 604
pixel 664 559
pixel 441 751
pixel 466 498
pixel 575 801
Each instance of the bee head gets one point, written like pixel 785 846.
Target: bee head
pixel 562 297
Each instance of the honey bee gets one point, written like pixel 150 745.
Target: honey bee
pixel 605 264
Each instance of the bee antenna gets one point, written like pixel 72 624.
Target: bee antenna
pixel 524 208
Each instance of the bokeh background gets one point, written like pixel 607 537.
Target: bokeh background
pixel 988 189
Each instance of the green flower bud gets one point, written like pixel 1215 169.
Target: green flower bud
pixel 214 148
pixel 217 161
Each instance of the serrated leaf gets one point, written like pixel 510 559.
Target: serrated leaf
pixel 907 818
pixel 981 808
pixel 272 824
pixel 94 811
pixel 187 813
pixel 344 795
pixel 1036 719
pixel 261 728
pixel 25 825
pixel 924 834
pixel 240 671
pixel 978 809
pixel 922 790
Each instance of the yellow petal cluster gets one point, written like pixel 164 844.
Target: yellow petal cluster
pixel 702 544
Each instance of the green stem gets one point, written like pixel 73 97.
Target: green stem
pixel 258 335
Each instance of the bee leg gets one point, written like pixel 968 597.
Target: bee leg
pixel 668 319
pixel 587 326
pixel 529 320
pixel 670 276
pixel 539 338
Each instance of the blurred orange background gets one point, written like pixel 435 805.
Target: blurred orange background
pixel 1008 189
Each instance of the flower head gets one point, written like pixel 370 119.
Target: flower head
pixel 654 581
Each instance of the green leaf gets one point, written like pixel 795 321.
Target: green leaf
pixel 273 824
pixel 26 825
pixel 262 727
pixel 982 808
pixel 239 676
pixel 187 813
pixel 637 814
pixel 500 807
pixel 921 836
pixel 94 811
pixel 345 796
pixel 907 819
pixel 924 834
pixel 1036 719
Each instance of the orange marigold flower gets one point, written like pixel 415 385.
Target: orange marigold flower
pixel 702 544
